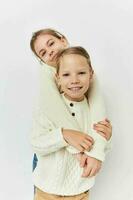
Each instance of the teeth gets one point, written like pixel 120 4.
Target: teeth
pixel 75 88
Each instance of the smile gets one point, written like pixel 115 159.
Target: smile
pixel 75 88
pixel 54 57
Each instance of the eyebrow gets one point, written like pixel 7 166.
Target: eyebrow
pixel 82 69
pixel 44 49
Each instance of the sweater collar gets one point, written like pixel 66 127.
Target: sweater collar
pixel 74 103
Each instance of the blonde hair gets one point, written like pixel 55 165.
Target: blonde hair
pixel 73 50
pixel 48 31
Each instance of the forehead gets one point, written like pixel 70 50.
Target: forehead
pixel 42 40
pixel 46 37
pixel 73 60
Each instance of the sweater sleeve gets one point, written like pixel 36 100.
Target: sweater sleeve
pixel 45 137
pixel 108 146
pixel 98 113
pixel 50 100
pixel 98 149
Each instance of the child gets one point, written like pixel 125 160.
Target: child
pixel 58 174
pixel 45 44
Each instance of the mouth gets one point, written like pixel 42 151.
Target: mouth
pixel 75 89
pixel 54 57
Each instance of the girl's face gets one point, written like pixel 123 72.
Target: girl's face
pixel 74 76
pixel 47 47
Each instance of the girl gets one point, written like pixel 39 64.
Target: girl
pixel 46 44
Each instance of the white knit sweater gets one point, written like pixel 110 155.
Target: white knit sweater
pixel 58 170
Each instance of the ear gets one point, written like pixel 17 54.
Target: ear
pixel 56 76
pixel 64 41
pixel 58 82
pixel 91 75
pixel 57 79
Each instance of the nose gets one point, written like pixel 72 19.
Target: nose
pixel 51 53
pixel 74 79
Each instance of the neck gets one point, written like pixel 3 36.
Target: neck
pixel 72 99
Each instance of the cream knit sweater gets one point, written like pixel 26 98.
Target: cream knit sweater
pixel 58 171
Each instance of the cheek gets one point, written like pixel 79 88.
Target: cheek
pixel 63 82
pixel 87 82
pixel 60 46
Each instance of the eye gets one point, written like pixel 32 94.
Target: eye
pixel 51 43
pixel 82 73
pixel 43 53
pixel 66 74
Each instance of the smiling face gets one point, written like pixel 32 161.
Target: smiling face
pixel 74 76
pixel 47 46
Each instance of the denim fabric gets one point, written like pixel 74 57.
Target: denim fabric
pixel 34 162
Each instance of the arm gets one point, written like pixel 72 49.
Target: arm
pixel 91 166
pixel 98 149
pixel 79 141
pixel 100 123
pixel 104 128
pixel 98 113
pixel 45 136
pixel 51 101
pixel 99 129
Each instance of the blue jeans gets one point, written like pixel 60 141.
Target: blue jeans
pixel 35 160
pixel 34 164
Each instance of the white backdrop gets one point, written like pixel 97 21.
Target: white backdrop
pixel 104 28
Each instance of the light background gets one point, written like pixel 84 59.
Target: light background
pixel 104 28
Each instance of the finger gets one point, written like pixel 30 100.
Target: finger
pixel 102 134
pixel 107 120
pixel 107 131
pixel 83 161
pixel 103 123
pixel 98 168
pixel 86 172
pixel 85 146
pixel 102 129
pixel 92 172
pixel 89 139
pixel 80 148
pixel 88 143
pixel 97 171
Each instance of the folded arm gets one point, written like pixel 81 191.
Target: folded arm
pixel 45 137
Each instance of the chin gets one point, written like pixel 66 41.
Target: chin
pixel 76 98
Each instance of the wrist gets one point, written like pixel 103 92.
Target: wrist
pixel 64 133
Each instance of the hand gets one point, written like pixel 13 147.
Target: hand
pixel 77 139
pixel 81 157
pixel 92 167
pixel 104 128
